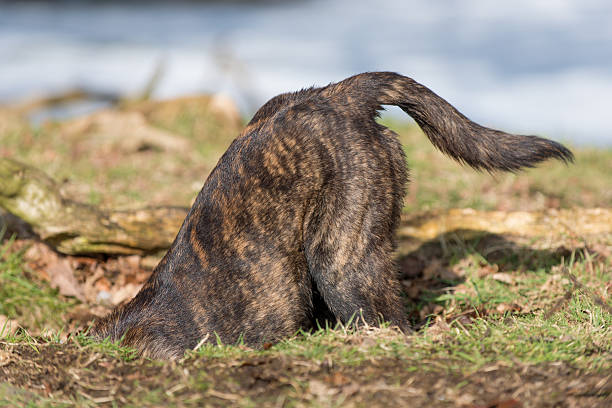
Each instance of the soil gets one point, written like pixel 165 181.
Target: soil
pixel 67 372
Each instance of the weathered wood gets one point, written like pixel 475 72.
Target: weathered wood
pixel 542 229
pixel 75 228
pixel 551 222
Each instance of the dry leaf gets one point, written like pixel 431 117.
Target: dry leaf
pixel 508 307
pixel 350 389
pixel 464 289
pixel 102 284
pixel 129 264
pixel 411 288
pixel 337 379
pixel 550 283
pixel 605 251
pixel 503 277
pixel 319 389
pixel 39 256
pixel 62 277
pixel 464 264
pixel 486 270
pixel 464 399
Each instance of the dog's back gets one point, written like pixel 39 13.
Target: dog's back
pixel 296 222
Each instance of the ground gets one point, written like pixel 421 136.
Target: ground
pixel 500 321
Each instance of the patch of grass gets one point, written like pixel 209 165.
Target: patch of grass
pixel 342 345
pixel 33 304
pixel 530 316
pixel 106 347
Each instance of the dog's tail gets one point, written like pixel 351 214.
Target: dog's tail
pixel 449 130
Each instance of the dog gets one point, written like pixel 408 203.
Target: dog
pixel 296 222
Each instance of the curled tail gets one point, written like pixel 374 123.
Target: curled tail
pixel 448 129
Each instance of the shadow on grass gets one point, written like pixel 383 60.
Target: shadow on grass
pixel 435 267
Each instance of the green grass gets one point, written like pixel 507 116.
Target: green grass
pixel 23 296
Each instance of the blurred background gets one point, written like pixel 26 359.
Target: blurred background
pixel 528 66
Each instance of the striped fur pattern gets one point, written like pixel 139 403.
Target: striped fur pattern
pixel 296 222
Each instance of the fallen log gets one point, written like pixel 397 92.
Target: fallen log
pixel 550 228
pixel 577 222
pixel 75 228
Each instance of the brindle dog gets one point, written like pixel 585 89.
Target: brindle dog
pixel 296 222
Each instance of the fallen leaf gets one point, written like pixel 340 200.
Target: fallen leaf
pixel 62 277
pixel 129 264
pixel 487 269
pixel 430 309
pixel 551 283
pixel 508 307
pixel 350 389
pixel 337 379
pixel 102 284
pixel 319 389
pixel 464 399
pixel 39 256
pixel 463 289
pixel 604 251
pixel 503 277
pixel 411 289
pixel 464 264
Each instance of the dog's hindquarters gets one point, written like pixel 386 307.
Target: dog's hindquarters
pixel 349 248
pixel 349 231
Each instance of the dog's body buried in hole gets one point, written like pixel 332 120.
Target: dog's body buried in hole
pixel 296 222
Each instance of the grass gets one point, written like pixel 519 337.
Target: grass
pixel 500 321
pixel 22 295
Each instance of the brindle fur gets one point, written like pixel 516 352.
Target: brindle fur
pixel 297 220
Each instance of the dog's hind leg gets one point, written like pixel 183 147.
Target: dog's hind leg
pixel 349 239
pixel 362 288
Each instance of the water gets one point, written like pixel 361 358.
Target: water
pixel 527 66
